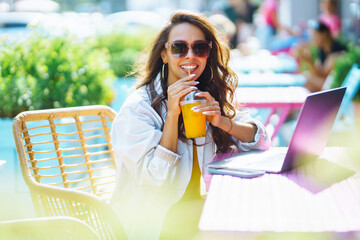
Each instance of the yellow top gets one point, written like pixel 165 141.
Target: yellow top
pixel 192 191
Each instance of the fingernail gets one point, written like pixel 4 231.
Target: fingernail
pixel 196 82
pixel 197 94
pixel 193 87
pixel 192 75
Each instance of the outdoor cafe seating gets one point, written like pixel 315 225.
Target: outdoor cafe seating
pixel 269 86
pixel 67 162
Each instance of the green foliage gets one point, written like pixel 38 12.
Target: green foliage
pixel 52 72
pixel 343 65
pixel 15 83
pixel 124 48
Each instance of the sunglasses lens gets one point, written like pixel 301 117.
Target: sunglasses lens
pixel 201 49
pixel 179 49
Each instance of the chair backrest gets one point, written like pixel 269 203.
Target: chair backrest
pixel 67 161
pixel 47 228
pixel 67 147
pixel 352 82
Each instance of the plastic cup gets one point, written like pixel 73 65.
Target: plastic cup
pixel 194 122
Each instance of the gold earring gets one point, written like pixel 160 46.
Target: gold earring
pixel 212 74
pixel 163 71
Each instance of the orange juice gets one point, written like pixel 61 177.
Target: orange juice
pixel 194 122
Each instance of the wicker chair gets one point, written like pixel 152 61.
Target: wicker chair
pixel 46 228
pixel 67 162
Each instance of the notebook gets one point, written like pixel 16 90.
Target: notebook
pixel 307 143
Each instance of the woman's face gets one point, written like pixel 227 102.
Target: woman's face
pixel 180 67
pixel 326 6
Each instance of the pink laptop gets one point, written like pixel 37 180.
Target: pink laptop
pixel 307 143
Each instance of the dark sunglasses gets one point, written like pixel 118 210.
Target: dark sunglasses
pixel 181 48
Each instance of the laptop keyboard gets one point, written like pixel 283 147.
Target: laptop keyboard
pixel 282 202
pixel 268 160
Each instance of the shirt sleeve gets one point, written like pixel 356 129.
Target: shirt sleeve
pixel 261 140
pixel 136 134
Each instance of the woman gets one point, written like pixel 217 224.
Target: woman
pixel 329 17
pixel 327 48
pixel 240 12
pixel 157 167
pixel 269 25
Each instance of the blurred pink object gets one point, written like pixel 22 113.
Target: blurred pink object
pixel 268 9
pixel 281 100
pixel 333 22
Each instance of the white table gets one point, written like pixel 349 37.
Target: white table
pixel 333 209
pixel 270 79
pixel 262 62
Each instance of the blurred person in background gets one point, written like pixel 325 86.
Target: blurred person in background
pixel 268 24
pixel 352 25
pixel 241 13
pixel 326 49
pixel 329 16
pixel 225 25
pixel 228 31
pixel 157 193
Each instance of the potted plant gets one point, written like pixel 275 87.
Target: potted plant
pixel 53 72
pixel 342 67
pixel 124 47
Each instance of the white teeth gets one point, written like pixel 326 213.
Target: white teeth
pixel 188 67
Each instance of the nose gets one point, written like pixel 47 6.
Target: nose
pixel 190 53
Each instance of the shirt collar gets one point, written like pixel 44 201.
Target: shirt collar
pixel 157 85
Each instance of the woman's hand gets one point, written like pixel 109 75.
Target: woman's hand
pixel 210 108
pixel 305 55
pixel 177 90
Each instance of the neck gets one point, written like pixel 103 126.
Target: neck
pixel 170 79
pixel 169 82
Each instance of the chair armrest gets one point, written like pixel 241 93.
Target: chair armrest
pixel 43 227
pixel 54 201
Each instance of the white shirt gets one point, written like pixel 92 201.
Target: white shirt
pixel 151 178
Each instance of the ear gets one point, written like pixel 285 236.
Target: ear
pixel 164 56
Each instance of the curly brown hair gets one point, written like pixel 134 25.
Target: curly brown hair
pixel 221 86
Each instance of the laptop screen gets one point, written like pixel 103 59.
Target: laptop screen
pixel 313 127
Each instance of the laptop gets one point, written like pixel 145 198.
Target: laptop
pixel 307 143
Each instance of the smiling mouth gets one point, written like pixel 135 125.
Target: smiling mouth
pixel 189 68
